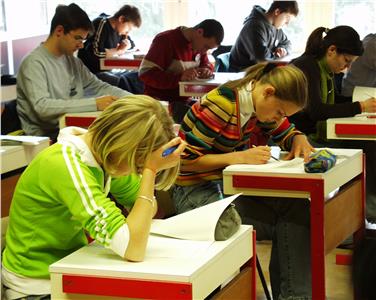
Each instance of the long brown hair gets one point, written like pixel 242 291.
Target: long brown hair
pixel 289 82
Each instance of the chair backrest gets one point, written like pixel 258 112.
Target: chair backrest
pixel 10 121
pixel 222 62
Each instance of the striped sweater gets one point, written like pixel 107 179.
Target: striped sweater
pixel 212 126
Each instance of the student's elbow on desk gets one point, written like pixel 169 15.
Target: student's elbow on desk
pixel 135 250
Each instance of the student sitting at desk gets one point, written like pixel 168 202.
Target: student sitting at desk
pixel 325 56
pixel 64 192
pixel 262 37
pixel 52 82
pixel 220 131
pixel 179 55
pixel 110 39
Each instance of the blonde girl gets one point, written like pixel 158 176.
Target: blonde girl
pixel 64 192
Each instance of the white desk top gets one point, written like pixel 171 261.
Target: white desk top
pixel 211 267
pixel 349 165
pixel 199 87
pixel 219 78
pixel 8 92
pixel 360 127
pixel 18 156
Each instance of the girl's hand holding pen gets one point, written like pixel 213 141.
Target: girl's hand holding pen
pixel 256 155
pixel 166 156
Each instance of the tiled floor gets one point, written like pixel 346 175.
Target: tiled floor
pixel 338 277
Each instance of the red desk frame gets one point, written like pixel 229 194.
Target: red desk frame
pixel 323 238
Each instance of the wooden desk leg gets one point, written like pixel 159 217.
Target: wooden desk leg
pixel 317 241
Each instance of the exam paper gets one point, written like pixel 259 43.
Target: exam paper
pixel 362 93
pixel 296 164
pixel 170 247
pixel 196 224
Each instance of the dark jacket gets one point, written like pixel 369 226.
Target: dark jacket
pixel 104 37
pixel 315 111
pixel 257 41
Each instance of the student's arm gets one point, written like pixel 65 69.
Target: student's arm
pixel 145 207
pixel 103 43
pixel 201 127
pixel 153 69
pixel 284 42
pixel 256 42
pixel 288 138
pixel 205 63
pixel 97 87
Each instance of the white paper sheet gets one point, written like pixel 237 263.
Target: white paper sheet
pixel 170 247
pixel 25 139
pixel 362 93
pixel 293 165
pixel 197 224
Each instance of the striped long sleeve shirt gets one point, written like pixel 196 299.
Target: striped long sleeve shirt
pixel 212 126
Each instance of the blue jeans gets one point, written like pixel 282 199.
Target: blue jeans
pixel 285 221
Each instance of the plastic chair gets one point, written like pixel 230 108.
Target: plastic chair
pixel 222 62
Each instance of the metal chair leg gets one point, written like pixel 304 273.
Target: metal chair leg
pixel 262 278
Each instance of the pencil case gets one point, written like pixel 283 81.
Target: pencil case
pixel 320 162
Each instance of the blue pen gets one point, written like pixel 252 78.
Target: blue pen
pixel 168 151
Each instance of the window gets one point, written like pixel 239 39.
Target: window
pixel 159 15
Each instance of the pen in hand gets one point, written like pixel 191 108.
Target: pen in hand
pixel 275 158
pixel 168 151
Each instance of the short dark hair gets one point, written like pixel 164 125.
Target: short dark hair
pixel 345 38
pixel 71 17
pixel 212 28
pixel 130 13
pixel 290 7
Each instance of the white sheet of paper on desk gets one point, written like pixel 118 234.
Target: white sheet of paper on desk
pixel 293 165
pixel 25 139
pixel 362 93
pixel 197 224
pixel 175 248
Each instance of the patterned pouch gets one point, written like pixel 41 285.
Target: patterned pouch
pixel 321 161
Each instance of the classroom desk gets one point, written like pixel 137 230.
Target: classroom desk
pixel 8 92
pixel 354 128
pixel 333 218
pixel 82 119
pixel 198 88
pixel 12 159
pixel 94 272
pixel 17 156
pixel 129 61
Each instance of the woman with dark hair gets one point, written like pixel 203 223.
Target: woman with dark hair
pixel 329 52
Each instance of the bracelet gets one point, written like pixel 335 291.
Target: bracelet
pixel 151 200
